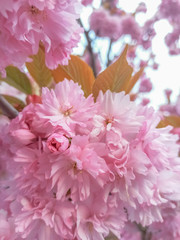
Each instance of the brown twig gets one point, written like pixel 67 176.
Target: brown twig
pixel 145 235
pixel 7 108
pixel 89 46
pixel 108 53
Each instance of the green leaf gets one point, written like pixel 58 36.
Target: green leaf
pixel 38 70
pixel 17 79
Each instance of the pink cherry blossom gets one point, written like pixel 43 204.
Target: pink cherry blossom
pixel 130 27
pixel 171 41
pixel 131 232
pixel 140 157
pixel 58 142
pixel 25 23
pixel 168 229
pixel 145 85
pixel 7 230
pixel 6 6
pixel 104 24
pixel 169 9
pixel 75 169
pixel 87 2
pixel 66 106
pixel 145 101
pixel 141 8
pixel 116 111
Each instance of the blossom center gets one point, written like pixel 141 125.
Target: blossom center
pixel 34 10
pixel 55 144
pixel 108 120
pixel 68 112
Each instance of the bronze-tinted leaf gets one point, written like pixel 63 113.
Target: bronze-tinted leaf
pixel 172 120
pixel 134 80
pixel 78 71
pixel 116 77
pixel 38 70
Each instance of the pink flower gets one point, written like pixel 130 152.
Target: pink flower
pixel 12 50
pixel 145 101
pixel 75 169
pixel 131 232
pixel 168 229
pixel 97 219
pixel 58 142
pixel 140 174
pixel 104 24
pixel 169 9
pixel 145 85
pixel 79 168
pixel 7 231
pixel 171 40
pixel 25 23
pixel 168 108
pixel 66 107
pixel 141 8
pixel 148 33
pixel 41 219
pixel 118 151
pixel 116 111
pixel 5 7
pixel 87 2
pixel 130 27
pixel 176 131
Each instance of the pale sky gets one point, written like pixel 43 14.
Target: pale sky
pixel 168 74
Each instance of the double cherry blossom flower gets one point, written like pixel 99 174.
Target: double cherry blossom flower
pixel 78 169
pixel 26 23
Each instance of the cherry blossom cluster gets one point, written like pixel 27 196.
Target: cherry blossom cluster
pixel 169 10
pixel 171 108
pixel 112 22
pixel 75 168
pixel 114 26
pixel 26 23
pixel 117 23
pixel 87 2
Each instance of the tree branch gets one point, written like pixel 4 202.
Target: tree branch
pixel 144 233
pixel 89 46
pixel 108 53
pixel 7 108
